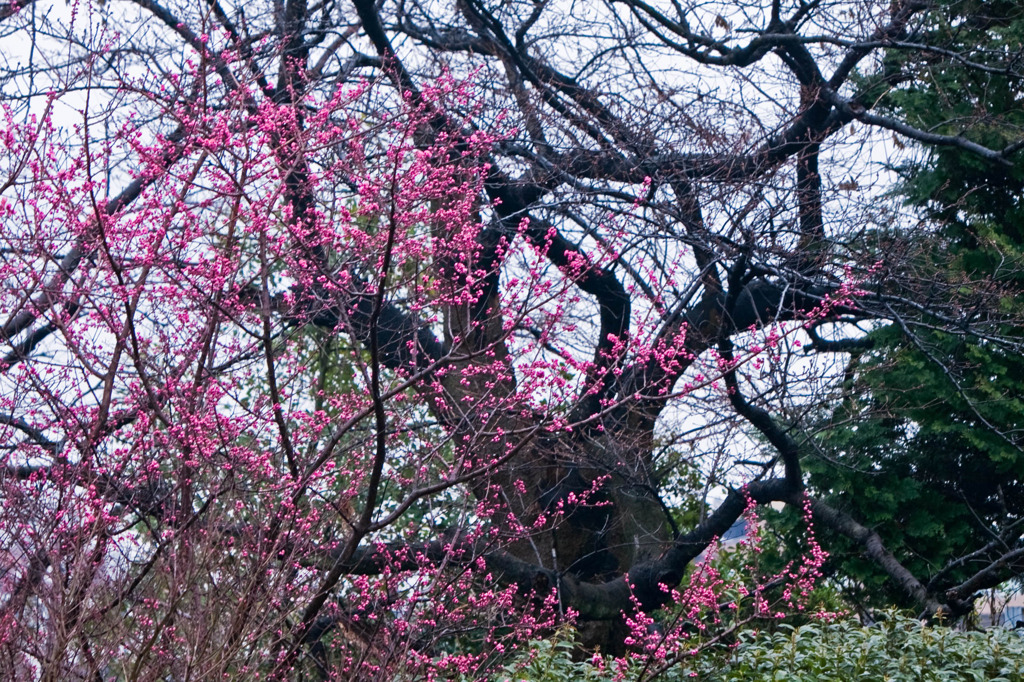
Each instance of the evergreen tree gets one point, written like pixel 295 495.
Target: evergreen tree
pixel 930 431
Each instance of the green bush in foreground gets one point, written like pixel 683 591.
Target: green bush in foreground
pixel 896 649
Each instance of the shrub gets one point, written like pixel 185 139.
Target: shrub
pixel 896 649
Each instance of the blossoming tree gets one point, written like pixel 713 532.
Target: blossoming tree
pixel 338 339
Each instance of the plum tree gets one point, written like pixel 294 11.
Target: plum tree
pixel 358 339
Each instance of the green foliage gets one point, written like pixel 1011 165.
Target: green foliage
pixel 924 461
pixel 979 202
pixel 551 660
pixel 898 649
pixel 922 447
